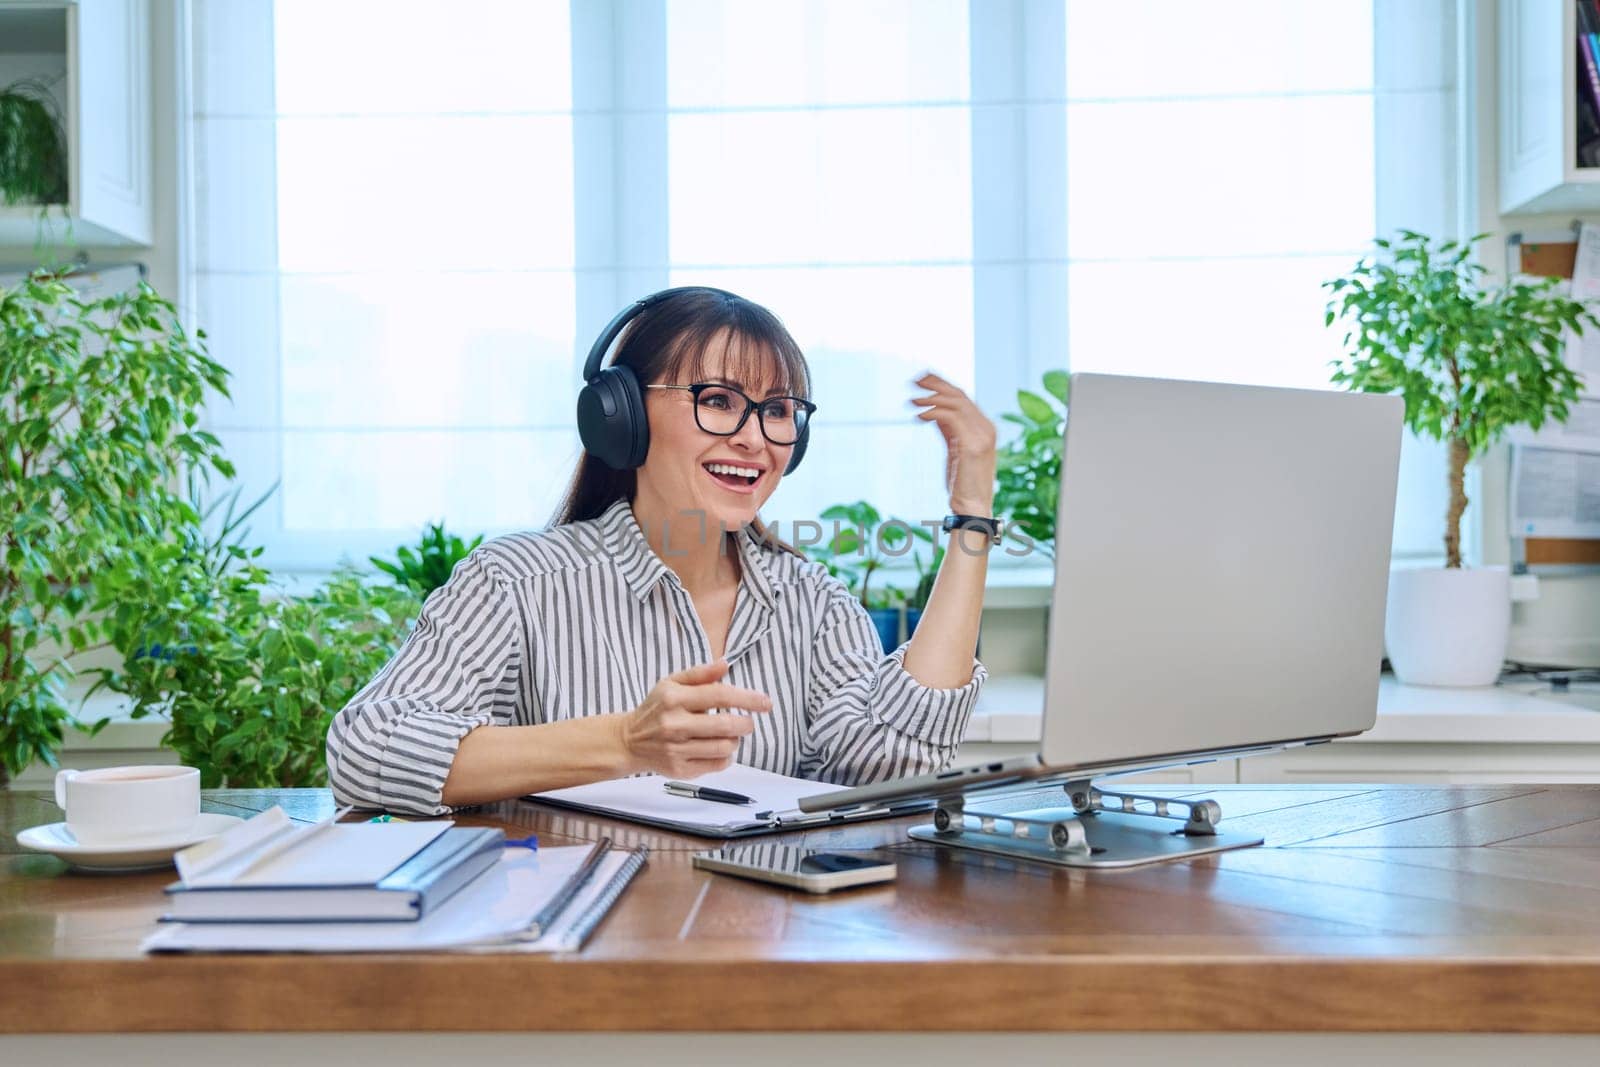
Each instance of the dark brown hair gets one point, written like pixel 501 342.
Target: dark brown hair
pixel 673 336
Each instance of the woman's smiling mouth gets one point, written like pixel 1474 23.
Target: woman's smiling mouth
pixel 736 477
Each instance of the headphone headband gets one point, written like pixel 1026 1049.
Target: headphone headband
pixel 602 344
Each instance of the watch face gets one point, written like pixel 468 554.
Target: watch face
pixel 989 527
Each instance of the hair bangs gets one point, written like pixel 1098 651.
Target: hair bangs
pixel 760 358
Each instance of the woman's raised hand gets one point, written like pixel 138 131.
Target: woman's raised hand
pixel 969 440
pixel 670 732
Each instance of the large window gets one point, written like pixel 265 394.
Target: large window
pixel 412 218
pixel 386 261
pixel 1224 159
pixel 1220 167
pixel 819 162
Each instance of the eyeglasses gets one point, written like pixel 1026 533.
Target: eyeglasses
pixel 722 410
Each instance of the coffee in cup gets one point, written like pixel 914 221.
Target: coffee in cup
pixel 129 805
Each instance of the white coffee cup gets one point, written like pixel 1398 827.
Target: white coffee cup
pixel 129 805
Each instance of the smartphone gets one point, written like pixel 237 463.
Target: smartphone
pixel 814 870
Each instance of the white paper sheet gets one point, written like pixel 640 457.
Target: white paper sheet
pixel 1555 472
pixel 1554 493
pixel 644 797
pixel 1583 353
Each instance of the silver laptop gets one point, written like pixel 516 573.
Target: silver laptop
pixel 1222 559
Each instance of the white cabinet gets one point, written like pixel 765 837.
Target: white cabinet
pixel 1517 732
pixel 1538 65
pixel 1436 763
pixel 96 56
pixel 1433 764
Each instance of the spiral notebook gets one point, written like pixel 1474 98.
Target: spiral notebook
pixel 545 900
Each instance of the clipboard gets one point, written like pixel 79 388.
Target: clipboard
pixel 774 806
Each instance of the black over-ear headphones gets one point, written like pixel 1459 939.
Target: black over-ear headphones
pixel 611 419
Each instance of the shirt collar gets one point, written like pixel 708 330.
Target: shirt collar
pixel 755 564
pixel 641 568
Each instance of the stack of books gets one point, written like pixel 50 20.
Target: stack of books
pixel 270 884
pixel 1588 132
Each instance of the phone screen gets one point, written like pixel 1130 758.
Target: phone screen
pixel 794 865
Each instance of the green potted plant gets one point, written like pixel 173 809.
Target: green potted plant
pixel 1472 361
pixel 860 550
pixel 247 676
pixel 102 402
pixel 1028 467
pixel 429 565
pixel 33 149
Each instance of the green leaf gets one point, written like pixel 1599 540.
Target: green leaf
pixel 1057 383
pixel 1035 408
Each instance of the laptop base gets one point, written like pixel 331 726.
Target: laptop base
pixel 1099 830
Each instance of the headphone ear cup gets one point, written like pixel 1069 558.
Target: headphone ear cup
pixel 799 452
pixel 611 419
pixel 638 428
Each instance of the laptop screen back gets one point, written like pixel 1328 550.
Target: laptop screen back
pixel 1222 559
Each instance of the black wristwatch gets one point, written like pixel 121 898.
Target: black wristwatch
pixel 990 527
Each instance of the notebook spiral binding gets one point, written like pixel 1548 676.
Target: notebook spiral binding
pixel 586 923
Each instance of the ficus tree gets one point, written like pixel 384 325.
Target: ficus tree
pixel 102 400
pixel 247 676
pixel 1471 360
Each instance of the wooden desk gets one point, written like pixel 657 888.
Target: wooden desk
pixel 1376 908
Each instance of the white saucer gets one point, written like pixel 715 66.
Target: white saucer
pixel 57 840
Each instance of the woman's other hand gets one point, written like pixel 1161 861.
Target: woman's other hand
pixel 670 732
pixel 969 439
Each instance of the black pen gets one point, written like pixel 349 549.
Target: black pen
pixel 705 792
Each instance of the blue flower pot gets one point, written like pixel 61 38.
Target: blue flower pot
pixel 162 652
pixel 887 620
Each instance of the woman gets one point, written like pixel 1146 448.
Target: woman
pixel 597 648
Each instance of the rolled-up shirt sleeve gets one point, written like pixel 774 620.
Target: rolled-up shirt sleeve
pixel 869 719
pixel 393 745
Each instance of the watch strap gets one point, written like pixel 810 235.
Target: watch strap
pixel 989 525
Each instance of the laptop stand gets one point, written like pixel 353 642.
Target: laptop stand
pixel 1099 829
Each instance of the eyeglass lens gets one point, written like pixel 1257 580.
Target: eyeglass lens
pixel 721 411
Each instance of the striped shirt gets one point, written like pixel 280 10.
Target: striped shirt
pixel 585 618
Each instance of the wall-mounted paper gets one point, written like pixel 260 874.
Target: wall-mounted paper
pixel 1554 493
pixel 1583 353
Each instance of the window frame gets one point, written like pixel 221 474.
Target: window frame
pixel 1020 169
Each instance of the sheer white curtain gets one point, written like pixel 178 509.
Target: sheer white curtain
pixel 412 217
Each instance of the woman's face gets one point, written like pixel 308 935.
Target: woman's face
pixel 678 469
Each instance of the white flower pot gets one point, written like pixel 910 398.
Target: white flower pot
pixel 1448 626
